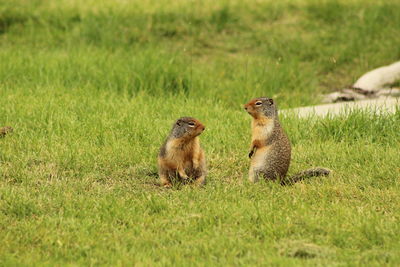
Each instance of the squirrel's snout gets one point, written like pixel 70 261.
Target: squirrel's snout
pixel 248 108
pixel 200 127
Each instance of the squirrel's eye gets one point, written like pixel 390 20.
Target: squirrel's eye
pixel 191 124
pixel 259 103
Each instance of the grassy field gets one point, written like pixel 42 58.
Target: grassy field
pixel 93 87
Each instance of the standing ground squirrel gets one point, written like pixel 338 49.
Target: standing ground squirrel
pixel 270 149
pixel 181 156
pixel 5 130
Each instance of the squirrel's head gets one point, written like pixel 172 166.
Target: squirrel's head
pixel 261 107
pixel 187 127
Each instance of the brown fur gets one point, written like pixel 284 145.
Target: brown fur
pixel 270 150
pixel 182 158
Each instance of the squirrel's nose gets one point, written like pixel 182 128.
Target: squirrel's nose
pixel 245 107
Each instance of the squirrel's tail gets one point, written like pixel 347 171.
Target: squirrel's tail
pixel 313 172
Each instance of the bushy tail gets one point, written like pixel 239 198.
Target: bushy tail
pixel 313 172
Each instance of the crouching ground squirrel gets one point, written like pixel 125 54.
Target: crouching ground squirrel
pixel 270 149
pixel 181 157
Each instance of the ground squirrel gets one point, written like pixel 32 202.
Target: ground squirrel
pixel 5 130
pixel 270 149
pixel 181 157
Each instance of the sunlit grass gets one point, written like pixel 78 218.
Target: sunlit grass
pixel 93 88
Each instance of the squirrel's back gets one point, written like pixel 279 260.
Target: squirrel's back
pixel 278 159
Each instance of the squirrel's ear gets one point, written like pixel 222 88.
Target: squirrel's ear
pixel 270 101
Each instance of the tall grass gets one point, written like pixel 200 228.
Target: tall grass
pixel 227 50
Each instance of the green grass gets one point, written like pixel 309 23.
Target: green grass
pixel 93 88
